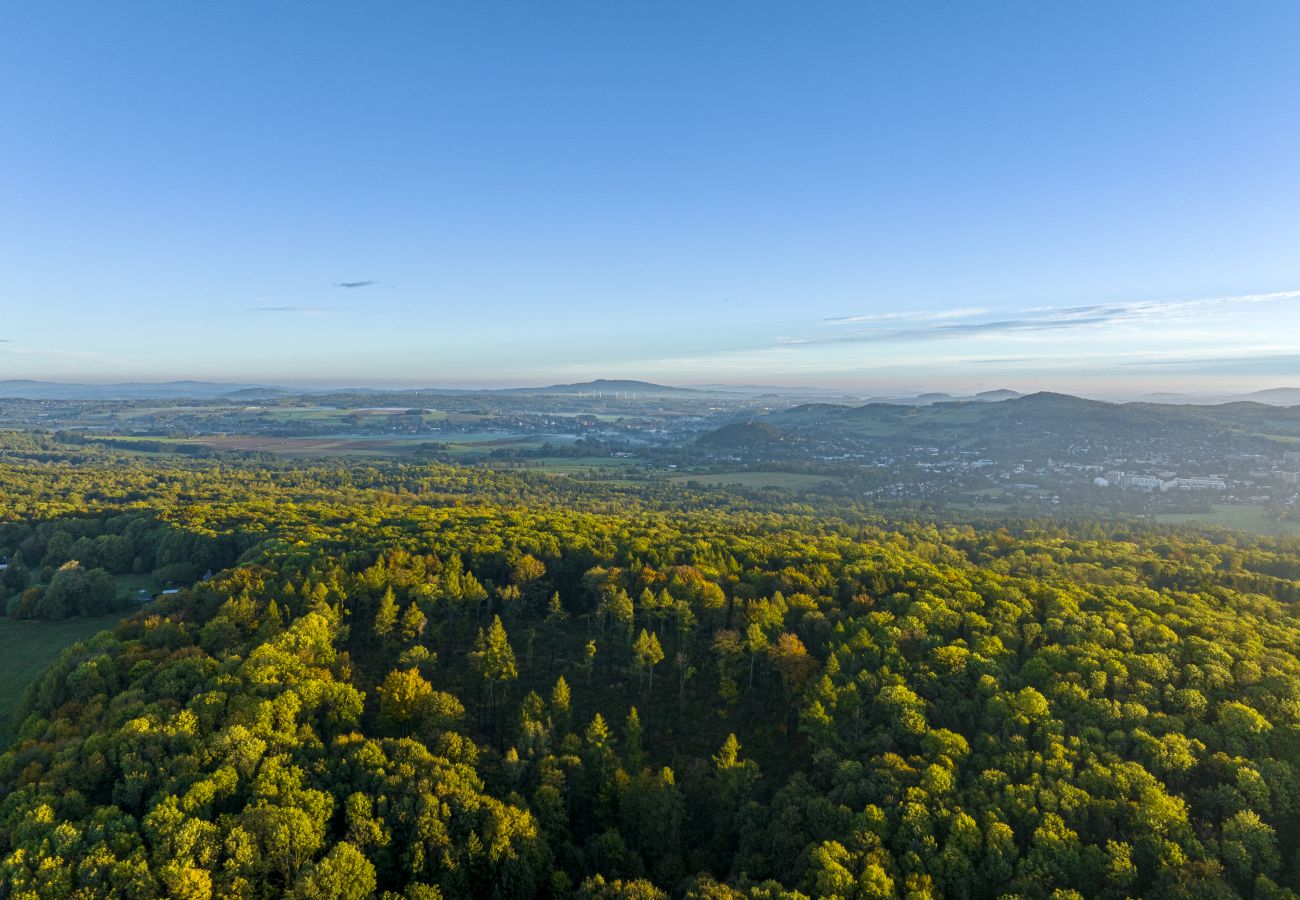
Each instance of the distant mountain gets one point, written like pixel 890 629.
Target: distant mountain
pixel 849 396
pixel 258 393
pixel 944 397
pixel 24 389
pixel 1284 396
pixel 610 386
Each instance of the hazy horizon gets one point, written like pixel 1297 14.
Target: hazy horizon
pixel 862 390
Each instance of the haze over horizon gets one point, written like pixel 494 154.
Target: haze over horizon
pixel 1096 200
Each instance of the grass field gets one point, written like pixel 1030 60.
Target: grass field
pixel 1256 519
pixel 131 585
pixel 28 647
pixel 793 481
pixel 303 446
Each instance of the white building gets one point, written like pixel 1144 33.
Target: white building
pixel 1197 484
pixel 1140 482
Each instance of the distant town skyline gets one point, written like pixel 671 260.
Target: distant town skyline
pixel 1098 199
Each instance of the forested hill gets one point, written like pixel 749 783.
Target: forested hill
pixel 607 385
pixel 1036 421
pixel 427 681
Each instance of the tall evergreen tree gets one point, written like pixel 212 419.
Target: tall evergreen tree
pixel 386 615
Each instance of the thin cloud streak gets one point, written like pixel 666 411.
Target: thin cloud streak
pixel 351 285
pixel 1216 336
pixel 920 316
pixel 968 329
pixel 1036 319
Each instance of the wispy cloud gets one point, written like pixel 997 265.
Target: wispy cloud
pixel 917 316
pixel 964 329
pixel 354 284
pixel 934 325
pixel 1001 360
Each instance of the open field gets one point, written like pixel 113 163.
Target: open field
pixel 301 414
pixel 131 585
pixel 311 446
pixel 341 415
pixel 27 647
pixel 793 481
pixel 144 411
pixel 1256 519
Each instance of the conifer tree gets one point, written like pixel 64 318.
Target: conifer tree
pixel 756 643
pixel 634 756
pixel 413 623
pixel 647 654
pixel 496 663
pixel 386 615
pixel 560 706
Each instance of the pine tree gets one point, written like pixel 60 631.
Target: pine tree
pixel 499 659
pixel 560 707
pixel 756 642
pixel 633 752
pixel 728 754
pixel 273 621
pixel 496 663
pixel 413 623
pixel 555 613
pixel 623 612
pixel 386 615
pixel 648 653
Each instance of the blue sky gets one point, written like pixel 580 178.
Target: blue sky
pixel 1089 196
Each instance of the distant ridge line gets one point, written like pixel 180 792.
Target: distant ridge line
pixel 622 388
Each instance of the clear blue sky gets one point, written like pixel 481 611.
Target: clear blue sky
pixel 1085 196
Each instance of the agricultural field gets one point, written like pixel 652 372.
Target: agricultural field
pixel 27 647
pixel 314 446
pixel 1253 519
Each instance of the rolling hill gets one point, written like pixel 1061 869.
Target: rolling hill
pixel 607 385
pixel 1043 421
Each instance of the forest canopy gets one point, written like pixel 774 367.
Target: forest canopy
pixel 424 680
